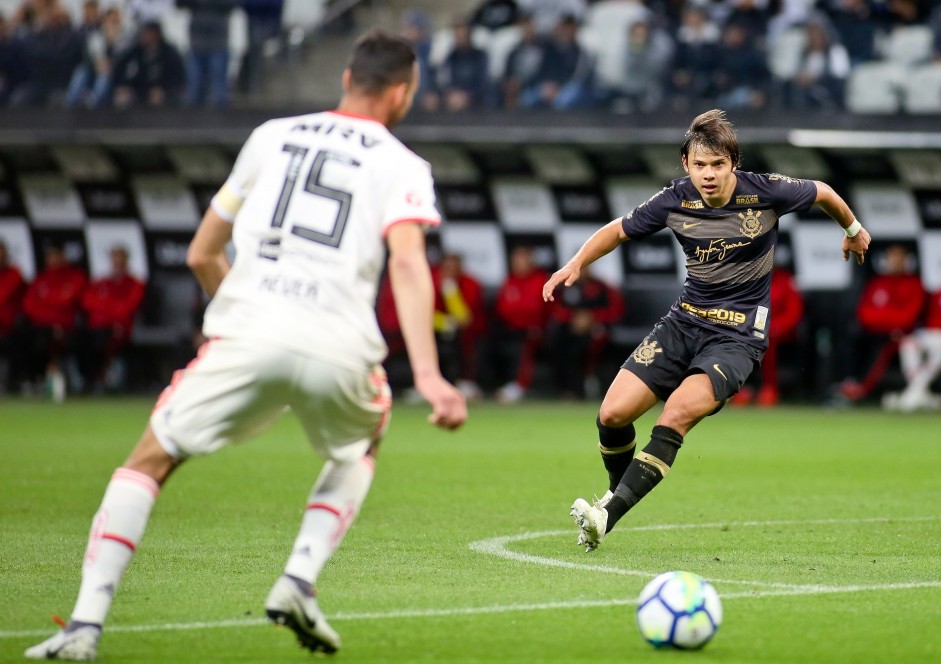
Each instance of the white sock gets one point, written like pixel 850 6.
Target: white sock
pixel 909 356
pixel 333 504
pixel 115 533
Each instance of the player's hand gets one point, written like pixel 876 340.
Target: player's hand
pixel 857 245
pixel 448 405
pixel 567 274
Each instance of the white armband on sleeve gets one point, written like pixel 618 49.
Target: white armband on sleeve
pixel 227 202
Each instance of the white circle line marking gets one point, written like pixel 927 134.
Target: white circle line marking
pixel 497 546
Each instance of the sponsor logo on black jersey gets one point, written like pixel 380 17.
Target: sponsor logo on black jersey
pixel 692 205
pixel 751 226
pixel 784 178
pixel 747 199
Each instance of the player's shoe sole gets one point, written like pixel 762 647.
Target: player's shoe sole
pixel 591 521
pixel 290 607
pixel 79 645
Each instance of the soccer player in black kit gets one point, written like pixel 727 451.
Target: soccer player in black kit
pixel 699 355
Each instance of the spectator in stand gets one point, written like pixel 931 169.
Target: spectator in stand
pixel 787 312
pixel 579 332
pixel 51 304
pixel 647 57
pixel 920 353
pixel 460 322
pixel 415 28
pixel 91 82
pixel 496 14
pixel 12 67
pixel 110 304
pixel 565 76
pixel 462 79
pixel 548 13
pixel 523 63
pixel 822 72
pixel 520 324
pixel 753 16
pixel 740 76
pixel 264 26
pixel 697 41
pixel 149 73
pixel 51 51
pixel 207 67
pixel 856 25
pixel 11 307
pixel 889 308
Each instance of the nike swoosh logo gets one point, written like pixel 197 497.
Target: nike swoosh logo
pixel 688 224
pixel 716 367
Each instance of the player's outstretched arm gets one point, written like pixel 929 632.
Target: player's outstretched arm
pixel 206 255
pixel 857 238
pixel 602 242
pixel 414 302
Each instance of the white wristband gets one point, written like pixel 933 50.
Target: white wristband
pixel 853 228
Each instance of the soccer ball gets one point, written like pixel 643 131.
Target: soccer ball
pixel 679 609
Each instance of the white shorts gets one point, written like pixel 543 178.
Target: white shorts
pixel 235 389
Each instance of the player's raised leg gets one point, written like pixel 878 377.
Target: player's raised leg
pixel 116 531
pixel 626 400
pixel 693 400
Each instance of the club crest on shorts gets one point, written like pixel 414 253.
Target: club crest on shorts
pixel 646 353
pixel 751 225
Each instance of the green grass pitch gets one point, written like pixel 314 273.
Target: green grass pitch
pixel 821 531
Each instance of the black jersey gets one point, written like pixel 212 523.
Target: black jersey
pixel 729 250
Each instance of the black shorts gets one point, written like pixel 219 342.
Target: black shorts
pixel 672 351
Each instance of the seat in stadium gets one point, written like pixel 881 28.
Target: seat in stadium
pixel 784 53
pixel 499 45
pixel 603 34
pixel 176 28
pixel 875 88
pixel 909 45
pixel 923 90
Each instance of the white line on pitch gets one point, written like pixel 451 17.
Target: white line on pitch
pixel 497 546
pixel 483 610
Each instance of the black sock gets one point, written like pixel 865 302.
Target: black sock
pixel 617 449
pixel 644 472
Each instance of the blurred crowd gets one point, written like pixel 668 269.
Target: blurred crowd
pixel 648 55
pixel 624 55
pixel 117 55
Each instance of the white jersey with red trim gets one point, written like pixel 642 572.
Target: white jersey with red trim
pixel 318 193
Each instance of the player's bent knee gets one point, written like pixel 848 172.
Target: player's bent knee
pixel 610 417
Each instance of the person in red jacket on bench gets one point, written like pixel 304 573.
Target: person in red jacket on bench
pixel 787 306
pixel 579 332
pixel 51 306
pixel 521 319
pixel 110 304
pixel 920 354
pixel 889 308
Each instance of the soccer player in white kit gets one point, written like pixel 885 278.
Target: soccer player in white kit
pixel 310 206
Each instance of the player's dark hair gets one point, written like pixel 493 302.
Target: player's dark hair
pixel 711 132
pixel 380 60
